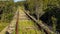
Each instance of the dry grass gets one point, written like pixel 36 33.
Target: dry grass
pixel 3 25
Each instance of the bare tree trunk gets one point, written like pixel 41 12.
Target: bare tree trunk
pixel 37 8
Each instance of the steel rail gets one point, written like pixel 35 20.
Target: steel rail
pixel 16 29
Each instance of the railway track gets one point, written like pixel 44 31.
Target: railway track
pixel 23 23
pixel 26 25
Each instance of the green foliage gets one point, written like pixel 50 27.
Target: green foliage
pixel 32 3
pixel 8 8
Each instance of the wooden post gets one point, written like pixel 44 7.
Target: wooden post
pixel 17 23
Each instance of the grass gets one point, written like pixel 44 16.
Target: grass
pixel 27 27
pixel 3 25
